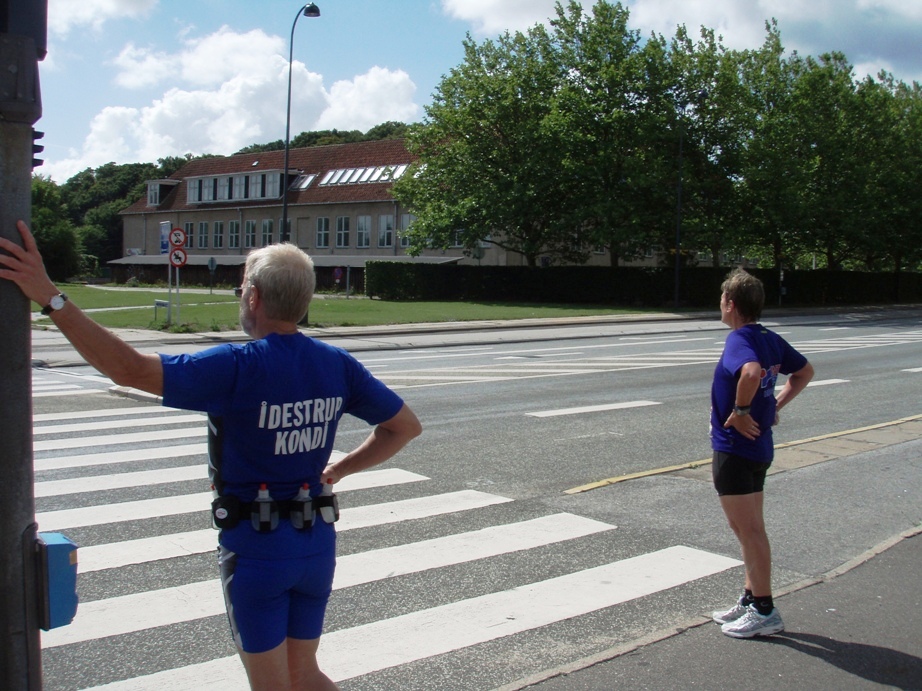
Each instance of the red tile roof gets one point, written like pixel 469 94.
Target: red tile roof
pixel 312 160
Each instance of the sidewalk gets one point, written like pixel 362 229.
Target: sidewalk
pixel 853 629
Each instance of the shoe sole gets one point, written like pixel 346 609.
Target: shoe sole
pixel 767 631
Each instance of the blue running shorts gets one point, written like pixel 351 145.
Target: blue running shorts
pixel 269 600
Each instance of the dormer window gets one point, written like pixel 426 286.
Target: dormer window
pixel 157 190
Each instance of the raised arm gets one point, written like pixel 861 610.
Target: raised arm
pixel 99 347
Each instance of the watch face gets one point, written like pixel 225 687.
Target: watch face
pixel 57 302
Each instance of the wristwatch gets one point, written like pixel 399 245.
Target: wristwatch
pixel 57 303
pixel 742 410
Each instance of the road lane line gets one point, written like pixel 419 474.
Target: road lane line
pixel 592 408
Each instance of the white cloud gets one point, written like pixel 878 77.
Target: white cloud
pixel 492 17
pixel 64 15
pixel 379 95
pixel 140 67
pixel 230 91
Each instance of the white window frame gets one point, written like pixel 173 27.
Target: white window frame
pixel 342 231
pixel 385 230
pixel 362 232
pixel 322 235
pixel 233 235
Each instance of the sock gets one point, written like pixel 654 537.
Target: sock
pixel 747 598
pixel 764 605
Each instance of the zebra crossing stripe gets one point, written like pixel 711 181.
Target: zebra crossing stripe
pixel 141 478
pixel 128 613
pixel 137 612
pixel 104 412
pixel 374 565
pixel 111 439
pixel 118 424
pixel 379 645
pixel 351 518
pixel 352 652
pixel 116 554
pixel 137 510
pixel 123 456
pixel 58 392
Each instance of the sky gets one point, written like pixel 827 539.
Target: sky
pixel 137 80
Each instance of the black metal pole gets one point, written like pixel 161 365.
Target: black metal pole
pixel 20 108
pixel 678 220
pixel 309 10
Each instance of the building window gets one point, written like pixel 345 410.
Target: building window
pixel 323 232
pixel 457 238
pixel 273 185
pixel 363 232
pixel 203 235
pixel 153 193
pixel 240 187
pixel 225 186
pixel 190 238
pixel 218 234
pixel 249 234
pixel 385 230
pixel 194 190
pixel 267 231
pixel 233 235
pixel 405 221
pixel 342 231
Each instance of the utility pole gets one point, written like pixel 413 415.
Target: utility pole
pixel 22 45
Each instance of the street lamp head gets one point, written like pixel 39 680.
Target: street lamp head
pixel 311 10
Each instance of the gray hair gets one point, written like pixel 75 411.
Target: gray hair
pixel 284 277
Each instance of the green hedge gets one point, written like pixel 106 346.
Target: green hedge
pixel 629 286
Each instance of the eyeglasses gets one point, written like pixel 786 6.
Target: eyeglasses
pixel 238 292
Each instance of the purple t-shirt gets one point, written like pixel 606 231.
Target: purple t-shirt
pixel 750 343
pixel 273 408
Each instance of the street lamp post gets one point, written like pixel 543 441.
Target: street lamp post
pixel 309 10
pixel 683 117
pixel 678 216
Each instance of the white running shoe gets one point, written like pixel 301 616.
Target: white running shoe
pixel 732 614
pixel 754 624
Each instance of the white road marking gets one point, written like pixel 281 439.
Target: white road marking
pixel 349 653
pixel 592 408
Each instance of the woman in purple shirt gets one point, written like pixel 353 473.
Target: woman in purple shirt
pixel 743 409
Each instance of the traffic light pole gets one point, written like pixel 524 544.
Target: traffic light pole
pixel 20 108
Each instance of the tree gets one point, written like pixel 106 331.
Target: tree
pixel 490 162
pixel 832 162
pixel 612 109
pixel 53 231
pixel 711 115
pixel 773 209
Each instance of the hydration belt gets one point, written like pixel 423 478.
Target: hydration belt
pixel 228 511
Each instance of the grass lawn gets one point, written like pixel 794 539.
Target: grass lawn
pixel 201 311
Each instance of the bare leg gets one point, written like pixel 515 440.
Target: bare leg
pixel 303 668
pixel 744 513
pixel 291 666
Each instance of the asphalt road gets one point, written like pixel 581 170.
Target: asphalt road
pixel 591 429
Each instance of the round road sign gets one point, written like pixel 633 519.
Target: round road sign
pixel 177 237
pixel 178 257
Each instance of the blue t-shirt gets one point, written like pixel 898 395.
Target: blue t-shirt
pixel 750 343
pixel 273 408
